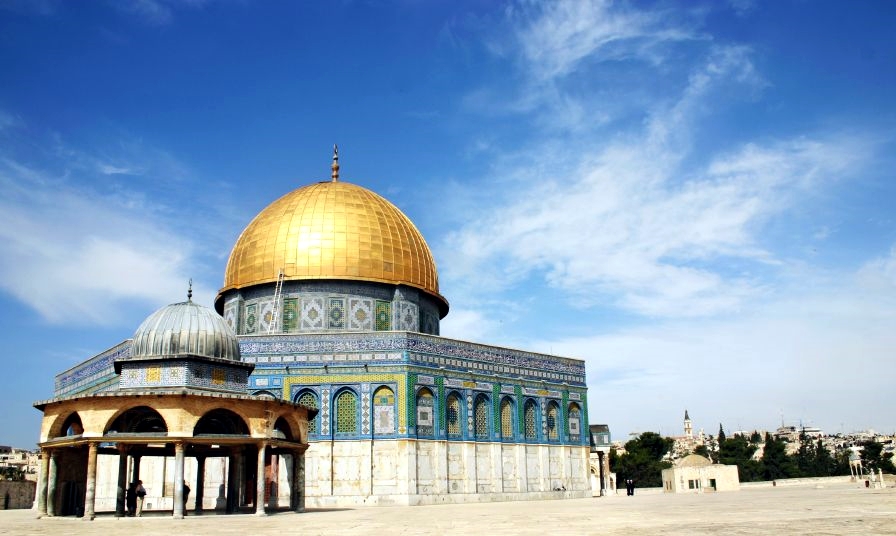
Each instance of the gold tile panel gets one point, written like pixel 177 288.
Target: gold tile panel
pixel 332 230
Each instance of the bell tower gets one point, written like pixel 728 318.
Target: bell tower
pixel 688 430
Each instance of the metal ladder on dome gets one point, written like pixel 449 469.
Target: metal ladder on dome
pixel 278 290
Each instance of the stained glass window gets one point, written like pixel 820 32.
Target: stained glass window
pixel 309 400
pixel 480 417
pixel 529 411
pixel 384 411
pixel 424 413
pixel 346 413
pixel 553 415
pixel 452 414
pixel 506 419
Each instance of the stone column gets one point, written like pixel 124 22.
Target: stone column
pixel 135 469
pixel 200 483
pixel 259 482
pixel 178 481
pixel 51 484
pixel 298 484
pixel 90 495
pixel 122 480
pixel 601 476
pixel 233 493
pixel 42 483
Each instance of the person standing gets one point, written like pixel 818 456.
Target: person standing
pixel 141 493
pixel 186 496
pixel 131 499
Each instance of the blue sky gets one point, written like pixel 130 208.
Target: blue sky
pixel 696 198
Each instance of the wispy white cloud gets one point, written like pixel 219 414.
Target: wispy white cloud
pixel 554 38
pixel 629 223
pixel 78 256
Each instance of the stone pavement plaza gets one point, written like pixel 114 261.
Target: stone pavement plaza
pixel 835 509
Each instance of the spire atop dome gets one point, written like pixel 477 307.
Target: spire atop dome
pixel 335 165
pixel 190 291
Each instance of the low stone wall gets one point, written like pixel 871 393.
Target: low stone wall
pixel 15 494
pixel 813 481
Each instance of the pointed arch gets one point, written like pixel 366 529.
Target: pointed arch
pixel 283 430
pixel 507 419
pixel 574 418
pixel 138 420
pixel 384 411
pixel 346 412
pixel 481 419
pixel 552 421
pixel 308 398
pixel 530 417
pixel 453 415
pixel 425 413
pixel 71 426
pixel 221 422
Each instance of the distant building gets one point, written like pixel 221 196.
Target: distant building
pixel 697 474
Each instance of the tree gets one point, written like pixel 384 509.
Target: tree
pixel 702 450
pixel 775 462
pixel 805 457
pixel 738 451
pixel 825 464
pixel 873 457
pixel 643 460
pixel 722 437
pixel 755 437
pixel 11 473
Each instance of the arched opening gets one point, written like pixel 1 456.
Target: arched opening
pixel 384 411
pixel 530 416
pixel 308 398
pixel 221 422
pixel 71 426
pixel 480 417
pixel 282 430
pixel 506 418
pixel 346 414
pixel 266 394
pixel 453 417
pixel 138 420
pixel 425 411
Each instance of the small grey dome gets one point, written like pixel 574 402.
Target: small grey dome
pixel 185 329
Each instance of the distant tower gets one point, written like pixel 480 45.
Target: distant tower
pixel 688 431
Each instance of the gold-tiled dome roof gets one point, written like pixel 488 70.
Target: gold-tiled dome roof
pixel 332 230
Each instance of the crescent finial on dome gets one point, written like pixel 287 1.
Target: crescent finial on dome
pixel 190 291
pixel 335 165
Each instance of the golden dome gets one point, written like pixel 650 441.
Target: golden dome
pixel 332 230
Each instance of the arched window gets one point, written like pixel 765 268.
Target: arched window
pixel 529 412
pixel 506 418
pixel 309 400
pixel 425 407
pixel 346 413
pixel 453 415
pixel 574 416
pixel 384 411
pixel 480 417
pixel 552 421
